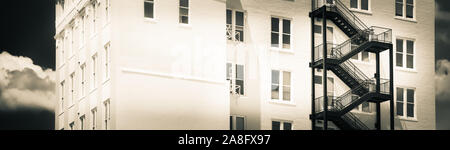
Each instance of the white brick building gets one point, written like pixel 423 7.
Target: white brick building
pixel 165 64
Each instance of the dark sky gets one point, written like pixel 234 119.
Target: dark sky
pixel 27 29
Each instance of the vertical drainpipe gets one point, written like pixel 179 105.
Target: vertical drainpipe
pixel 324 58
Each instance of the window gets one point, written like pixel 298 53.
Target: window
pixel 237 123
pixel 94 71
pixel 405 102
pixel 82 118
pixel 362 56
pixel 281 125
pixel 364 107
pixel 240 79
pixel 94 118
pixel 281 81
pixel 360 4
pixel 107 61
pixel 281 31
pixel 404 8
pixel 83 79
pixel 235 32
pixel 107 114
pixel 72 85
pixel 62 96
pixel 72 126
pixel 405 56
pixel 83 28
pixel 148 8
pixel 184 11
pixel 229 71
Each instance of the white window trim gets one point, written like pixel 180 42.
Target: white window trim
pixel 280 84
pixel 282 123
pixel 62 97
pixel 403 17
pixel 82 122
pixel 107 62
pixel 83 82
pixel 405 103
pixel 234 124
pixel 72 88
pixel 107 114
pixel 404 65
pixel 234 77
pixel 280 35
pixel 94 72
pixel 360 10
pixel 233 24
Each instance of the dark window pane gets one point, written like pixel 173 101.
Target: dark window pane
pixel 410 47
pixel 399 58
pixel 365 4
pixel 287 126
pixel 399 108
pixel 148 10
pixel 353 3
pixel 275 24
pixel 317 29
pixel 286 41
pixel 366 107
pixel 330 1
pixel 410 95
pixel 184 12
pixel 240 124
pixel 365 56
pixel 399 45
pixel 240 83
pixel 399 8
pixel 317 79
pixel 275 125
pixel 229 71
pixel 410 110
pixel 410 2
pixel 239 35
pixel 286 26
pixel 229 17
pixel 409 11
pixel 184 3
pixel 275 39
pixel 239 18
pixel 231 122
pixel 184 19
pixel 410 61
pixel 399 94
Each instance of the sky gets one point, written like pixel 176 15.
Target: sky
pixel 27 64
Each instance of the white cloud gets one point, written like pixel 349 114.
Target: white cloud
pixel 25 85
pixel 443 80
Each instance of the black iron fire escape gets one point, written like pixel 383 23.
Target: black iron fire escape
pixel 335 58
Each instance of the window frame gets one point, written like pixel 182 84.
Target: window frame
pixel 233 122
pixel 359 7
pixel 233 25
pixel 281 33
pixel 94 118
pixel 282 122
pixel 62 88
pixel 107 62
pixel 243 80
pixel 83 80
pixel 107 114
pixel 72 89
pixel 153 9
pixel 404 11
pixel 94 68
pixel 188 10
pixel 281 86
pixel 405 102
pixel 405 54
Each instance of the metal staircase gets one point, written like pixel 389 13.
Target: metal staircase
pixel 362 88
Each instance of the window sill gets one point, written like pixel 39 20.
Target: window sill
pixel 281 50
pixel 186 26
pixel 93 90
pixel 150 20
pixel 279 102
pixel 82 98
pixel 362 113
pixel 407 119
pixel 71 106
pixel 413 20
pixel 366 12
pixel 406 70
